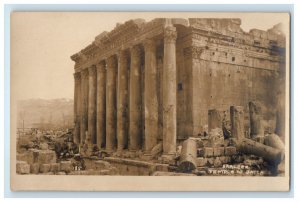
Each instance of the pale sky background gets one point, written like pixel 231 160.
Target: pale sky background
pixel 42 43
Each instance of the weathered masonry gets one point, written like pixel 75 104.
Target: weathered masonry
pixel 147 82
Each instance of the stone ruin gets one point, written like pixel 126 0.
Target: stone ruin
pixel 178 96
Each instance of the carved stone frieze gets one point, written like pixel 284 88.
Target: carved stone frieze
pixel 194 52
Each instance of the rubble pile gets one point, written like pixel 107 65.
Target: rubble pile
pixel 224 149
pixel 233 152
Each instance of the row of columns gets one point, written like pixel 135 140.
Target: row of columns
pixel 102 99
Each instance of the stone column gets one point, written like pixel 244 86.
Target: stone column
pixel 256 125
pixel 101 104
pixel 151 99
pixel 122 114
pixel 77 106
pixel 169 92
pixel 92 104
pixel 237 122
pixel 135 105
pixel 84 105
pixel 214 119
pixel 111 101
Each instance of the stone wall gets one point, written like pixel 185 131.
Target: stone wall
pixel 228 70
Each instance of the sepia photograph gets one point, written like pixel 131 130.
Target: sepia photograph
pixel 150 101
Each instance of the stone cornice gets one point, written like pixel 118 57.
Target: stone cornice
pixel 78 57
pixel 134 32
pixel 107 43
pixel 89 50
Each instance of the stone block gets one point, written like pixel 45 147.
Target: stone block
pixel 46 157
pixel 201 162
pixel 200 152
pixel 99 165
pixel 225 159
pixel 66 166
pixel 34 168
pixel 55 167
pixel 209 161
pixel 23 167
pixel 26 156
pixel 219 151
pixel 45 168
pixel 229 151
pixel 217 162
pixel 208 152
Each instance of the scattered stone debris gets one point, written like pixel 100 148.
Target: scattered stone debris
pixel 226 149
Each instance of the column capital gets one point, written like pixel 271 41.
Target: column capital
pixel 149 45
pixel 92 69
pixel 84 73
pixel 122 56
pixel 101 66
pixel 170 34
pixel 136 51
pixel 111 61
pixel 77 75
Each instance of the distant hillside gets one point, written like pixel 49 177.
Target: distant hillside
pixel 41 113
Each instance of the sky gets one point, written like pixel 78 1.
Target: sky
pixel 42 43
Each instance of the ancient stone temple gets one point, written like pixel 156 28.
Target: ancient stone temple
pixel 148 82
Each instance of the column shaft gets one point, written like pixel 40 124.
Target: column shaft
pixel 111 100
pixel 122 114
pixel 169 91
pixel 151 99
pixel 84 105
pixel 92 104
pixel 256 125
pixel 237 122
pixel 135 106
pixel 101 104
pixel 77 106
pixel 214 119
